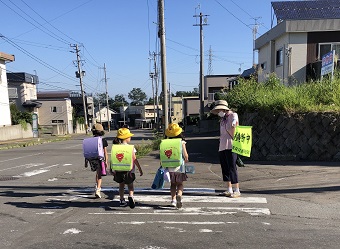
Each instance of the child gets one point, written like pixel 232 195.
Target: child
pixel 177 175
pixel 126 177
pixel 98 131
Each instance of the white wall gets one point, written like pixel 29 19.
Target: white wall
pixel 4 101
pixel 45 115
pixel 294 67
pixel 298 42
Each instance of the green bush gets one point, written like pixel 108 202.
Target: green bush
pixel 19 117
pixel 274 97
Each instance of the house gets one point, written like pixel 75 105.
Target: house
pixel 22 91
pixel 176 109
pixel 141 116
pixel 104 115
pixel 61 107
pixel 4 107
pixel 217 83
pixel 305 31
pixel 56 112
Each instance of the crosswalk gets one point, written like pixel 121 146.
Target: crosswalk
pixel 196 201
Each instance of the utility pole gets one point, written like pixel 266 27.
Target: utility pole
pixel 153 76
pixel 80 74
pixel 201 88
pixel 100 111
pixel 156 86
pixel 255 29
pixel 170 104
pixel 107 101
pixel 161 34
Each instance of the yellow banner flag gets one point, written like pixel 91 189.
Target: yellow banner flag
pixel 242 140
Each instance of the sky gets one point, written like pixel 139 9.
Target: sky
pixel 122 35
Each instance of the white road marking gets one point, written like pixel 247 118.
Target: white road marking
pixel 52 179
pixel 49 212
pixel 32 173
pixel 173 222
pixel 201 199
pixel 27 166
pixel 15 158
pixel 281 179
pixel 180 230
pixel 150 190
pixel 214 172
pixel 195 211
pixel 77 145
pixel 72 230
pixel 36 172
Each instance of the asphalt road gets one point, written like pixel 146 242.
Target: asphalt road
pixel 47 201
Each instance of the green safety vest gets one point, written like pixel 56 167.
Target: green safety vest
pixel 122 157
pixel 171 152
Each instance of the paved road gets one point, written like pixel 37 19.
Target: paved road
pixel 47 201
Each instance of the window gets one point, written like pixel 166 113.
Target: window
pixel 57 109
pixel 264 65
pixel 57 121
pixel 325 48
pixel 279 57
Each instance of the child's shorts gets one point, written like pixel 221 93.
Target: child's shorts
pixel 124 177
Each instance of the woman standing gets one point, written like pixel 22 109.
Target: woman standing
pixel 228 122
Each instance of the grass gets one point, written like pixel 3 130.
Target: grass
pixel 273 97
pixel 145 148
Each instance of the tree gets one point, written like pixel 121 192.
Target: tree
pixel 101 99
pixel 149 102
pixel 187 93
pixel 119 100
pixel 19 117
pixel 137 96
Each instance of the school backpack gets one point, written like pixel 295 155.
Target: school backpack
pixel 93 152
pixel 122 157
pixel 171 152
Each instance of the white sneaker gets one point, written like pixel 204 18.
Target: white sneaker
pixel 236 195
pixel 173 203
pixel 97 194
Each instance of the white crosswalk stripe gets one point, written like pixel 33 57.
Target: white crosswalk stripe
pixel 192 197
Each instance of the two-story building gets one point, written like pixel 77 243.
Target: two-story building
pixel 22 91
pixel 305 31
pixel 61 107
pixel 143 116
pixel 4 100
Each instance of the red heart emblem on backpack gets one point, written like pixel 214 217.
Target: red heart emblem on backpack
pixel 120 156
pixel 168 153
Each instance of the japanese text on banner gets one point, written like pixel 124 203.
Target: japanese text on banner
pixel 242 140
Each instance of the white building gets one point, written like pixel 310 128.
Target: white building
pixel 4 100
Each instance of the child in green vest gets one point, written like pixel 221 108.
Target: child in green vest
pixel 177 175
pixel 126 177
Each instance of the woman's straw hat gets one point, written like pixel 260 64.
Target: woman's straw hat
pixel 219 105
pixel 124 133
pixel 173 130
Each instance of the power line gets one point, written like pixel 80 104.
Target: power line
pixel 47 22
pixel 51 34
pixel 232 14
pixel 45 64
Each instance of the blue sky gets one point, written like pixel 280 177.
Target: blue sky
pixel 122 34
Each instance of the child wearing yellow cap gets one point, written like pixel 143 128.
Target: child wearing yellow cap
pixel 177 175
pixel 126 177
